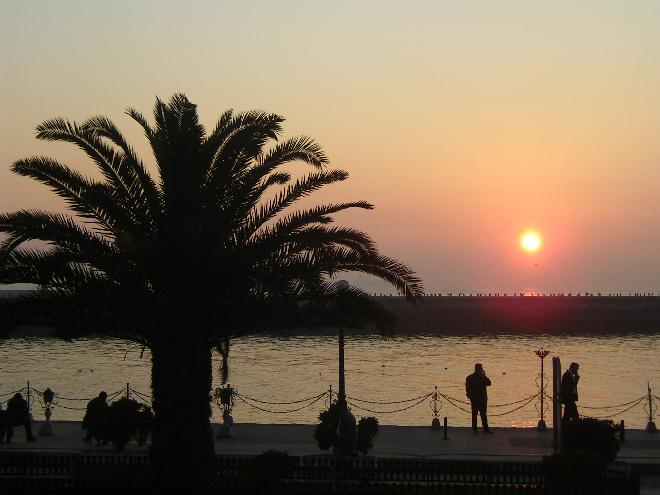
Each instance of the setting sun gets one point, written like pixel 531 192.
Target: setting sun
pixel 530 241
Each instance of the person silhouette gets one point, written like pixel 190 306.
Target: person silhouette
pixel 568 393
pixel 475 389
pixel 19 414
pixel 94 420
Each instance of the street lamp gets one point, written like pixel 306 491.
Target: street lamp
pixel 542 353
pixel 347 429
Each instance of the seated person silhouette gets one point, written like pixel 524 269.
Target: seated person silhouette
pixel 18 414
pixel 95 419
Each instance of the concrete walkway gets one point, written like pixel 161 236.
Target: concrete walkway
pixel 392 441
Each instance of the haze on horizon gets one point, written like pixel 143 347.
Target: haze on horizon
pixel 465 123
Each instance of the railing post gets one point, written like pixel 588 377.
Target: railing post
pixel 444 430
pixel 46 429
pixel 541 426
pixel 435 424
pixel 650 426
pixel 28 400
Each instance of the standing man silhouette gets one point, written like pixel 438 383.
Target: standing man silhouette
pixel 475 389
pixel 568 393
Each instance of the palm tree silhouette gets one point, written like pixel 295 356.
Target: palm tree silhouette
pixel 181 262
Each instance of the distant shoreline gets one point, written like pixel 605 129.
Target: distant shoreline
pixel 526 314
pixel 499 315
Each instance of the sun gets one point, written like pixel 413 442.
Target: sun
pixel 530 241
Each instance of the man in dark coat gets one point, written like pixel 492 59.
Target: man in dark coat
pixel 475 389
pixel 95 418
pixel 568 393
pixel 18 412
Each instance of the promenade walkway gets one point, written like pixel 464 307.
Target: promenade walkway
pixel 392 441
pixel 639 447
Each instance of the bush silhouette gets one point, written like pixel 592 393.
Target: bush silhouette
pixel 326 431
pixel 592 435
pixel 367 430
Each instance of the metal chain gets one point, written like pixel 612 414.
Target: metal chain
pixel 279 412
pixel 516 409
pixel 283 403
pixel 490 405
pixel 614 406
pixel 456 405
pixel 142 396
pixel 620 412
pixel 390 412
pixel 389 402
pixel 14 392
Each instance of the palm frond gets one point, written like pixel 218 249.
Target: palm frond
pixel 67 184
pixel 301 188
pixel 140 182
pixel 110 163
pixel 58 229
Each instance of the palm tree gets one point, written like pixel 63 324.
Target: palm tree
pixel 181 262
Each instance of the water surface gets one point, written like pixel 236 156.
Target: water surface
pixel 614 370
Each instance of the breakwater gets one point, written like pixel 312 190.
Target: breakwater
pixel 526 314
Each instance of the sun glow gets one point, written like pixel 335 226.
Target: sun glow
pixel 530 241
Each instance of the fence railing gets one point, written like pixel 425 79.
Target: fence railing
pixel 435 399
pixel 306 474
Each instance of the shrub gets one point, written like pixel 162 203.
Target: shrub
pixel 125 418
pixel 367 430
pixel 326 431
pixel 592 435
pixel 588 445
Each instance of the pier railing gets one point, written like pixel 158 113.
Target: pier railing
pixel 434 399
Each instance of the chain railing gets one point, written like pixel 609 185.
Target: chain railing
pixel 435 399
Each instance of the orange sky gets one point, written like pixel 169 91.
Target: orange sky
pixel 464 122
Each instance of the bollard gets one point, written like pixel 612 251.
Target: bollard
pixel 444 431
pixel 622 431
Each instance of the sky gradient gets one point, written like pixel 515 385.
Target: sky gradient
pixel 465 123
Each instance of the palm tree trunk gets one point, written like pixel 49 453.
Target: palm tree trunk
pixel 182 449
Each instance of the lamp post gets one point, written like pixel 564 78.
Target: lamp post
pixel 341 395
pixel 347 428
pixel 542 353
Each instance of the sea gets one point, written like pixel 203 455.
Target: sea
pixel 402 380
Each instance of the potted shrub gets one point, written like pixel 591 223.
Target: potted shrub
pixel 326 432
pixel 367 430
